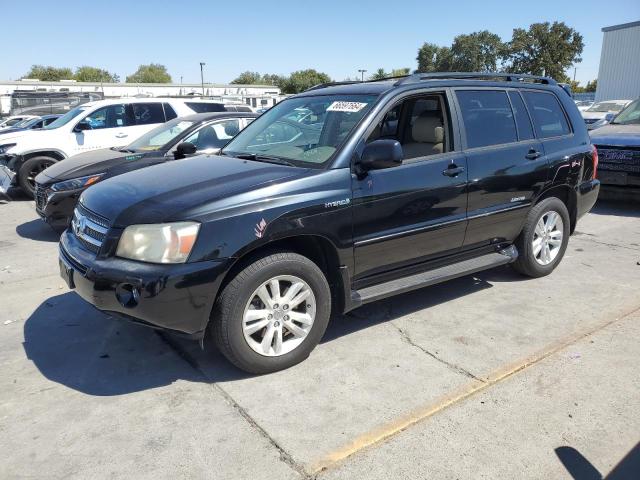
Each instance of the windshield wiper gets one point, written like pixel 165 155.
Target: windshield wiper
pixel 263 158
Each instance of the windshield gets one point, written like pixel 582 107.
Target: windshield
pixel 606 107
pixel 25 122
pixel 160 136
pixel 305 131
pixel 66 118
pixel 630 115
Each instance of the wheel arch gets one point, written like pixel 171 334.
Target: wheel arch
pixel 316 248
pixel 567 195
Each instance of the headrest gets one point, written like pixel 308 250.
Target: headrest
pixel 427 129
pixel 232 128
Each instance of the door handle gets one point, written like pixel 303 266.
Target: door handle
pixel 453 170
pixel 121 135
pixel 533 154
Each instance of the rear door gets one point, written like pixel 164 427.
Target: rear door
pixel 507 165
pixel 146 116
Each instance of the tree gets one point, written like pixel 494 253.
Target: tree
pixel 49 74
pixel 433 58
pixel 544 49
pixel 301 80
pixel 476 52
pixel 152 73
pixel 379 74
pixel 273 79
pixel 398 72
pixel 93 74
pixel 591 86
pixel 248 78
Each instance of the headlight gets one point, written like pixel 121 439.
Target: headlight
pixel 76 183
pixel 159 243
pixel 5 147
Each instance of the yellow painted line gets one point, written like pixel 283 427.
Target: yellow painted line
pixel 402 423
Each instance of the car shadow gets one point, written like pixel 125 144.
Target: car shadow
pixel 619 209
pixel 75 345
pixel 37 230
pixel 15 194
pixel 581 469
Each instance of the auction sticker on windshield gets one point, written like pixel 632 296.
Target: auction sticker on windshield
pixel 346 107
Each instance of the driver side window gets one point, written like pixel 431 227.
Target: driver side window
pixel 113 116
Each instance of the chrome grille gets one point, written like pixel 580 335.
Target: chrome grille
pixel 87 230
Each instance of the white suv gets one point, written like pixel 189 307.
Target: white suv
pixel 102 124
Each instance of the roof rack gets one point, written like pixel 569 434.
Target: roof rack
pixel 352 82
pixel 505 77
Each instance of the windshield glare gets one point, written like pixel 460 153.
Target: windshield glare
pixel 160 136
pixel 305 131
pixel 606 107
pixel 630 115
pixel 66 118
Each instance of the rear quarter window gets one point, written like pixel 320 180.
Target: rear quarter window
pixel 487 117
pixel 548 117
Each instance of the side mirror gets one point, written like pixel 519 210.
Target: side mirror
pixel 379 154
pixel 183 149
pixel 82 126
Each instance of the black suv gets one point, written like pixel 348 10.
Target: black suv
pixel 342 195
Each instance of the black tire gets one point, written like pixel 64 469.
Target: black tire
pixel 227 314
pixel 526 263
pixel 29 170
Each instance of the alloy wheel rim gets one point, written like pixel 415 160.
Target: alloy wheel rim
pixel 35 171
pixel 547 237
pixel 279 315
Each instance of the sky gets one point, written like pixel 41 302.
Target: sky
pixel 278 36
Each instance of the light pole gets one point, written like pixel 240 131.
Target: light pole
pixel 362 72
pixel 202 64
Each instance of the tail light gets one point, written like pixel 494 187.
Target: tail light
pixel 594 153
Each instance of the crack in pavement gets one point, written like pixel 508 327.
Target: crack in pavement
pixel 456 368
pixel 284 456
pixel 589 237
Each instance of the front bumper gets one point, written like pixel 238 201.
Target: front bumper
pixel 56 208
pixel 177 297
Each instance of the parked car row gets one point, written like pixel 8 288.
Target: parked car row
pixel 90 126
pixel 599 114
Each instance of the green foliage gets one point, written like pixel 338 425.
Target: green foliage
pixel 301 80
pixel 93 74
pixel 152 73
pixel 379 74
pixel 49 73
pixel 248 78
pixel 591 86
pixel 476 52
pixel 433 58
pixel 544 49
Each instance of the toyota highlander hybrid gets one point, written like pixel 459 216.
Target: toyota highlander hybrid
pixel 390 186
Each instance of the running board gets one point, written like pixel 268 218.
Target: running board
pixel 431 277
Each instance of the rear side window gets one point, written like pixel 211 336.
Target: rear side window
pixel 169 112
pixel 203 107
pixel 487 116
pixel 548 116
pixel 147 113
pixel 525 131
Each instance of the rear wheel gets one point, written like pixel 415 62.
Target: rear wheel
pixel 30 170
pixel 273 313
pixel 544 238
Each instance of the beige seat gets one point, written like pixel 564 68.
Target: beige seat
pixel 428 137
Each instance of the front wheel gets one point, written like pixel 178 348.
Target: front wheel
pixel 273 313
pixel 544 238
pixel 30 170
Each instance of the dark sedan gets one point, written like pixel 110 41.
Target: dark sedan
pixel 59 186
pixel 618 147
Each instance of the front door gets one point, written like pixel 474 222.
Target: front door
pixel 507 164
pixel 416 211
pixel 105 127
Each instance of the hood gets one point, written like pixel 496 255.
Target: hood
pixel 89 163
pixel 592 115
pixel 621 135
pixel 29 138
pixel 162 193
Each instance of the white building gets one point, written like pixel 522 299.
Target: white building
pixel 619 73
pixel 257 96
